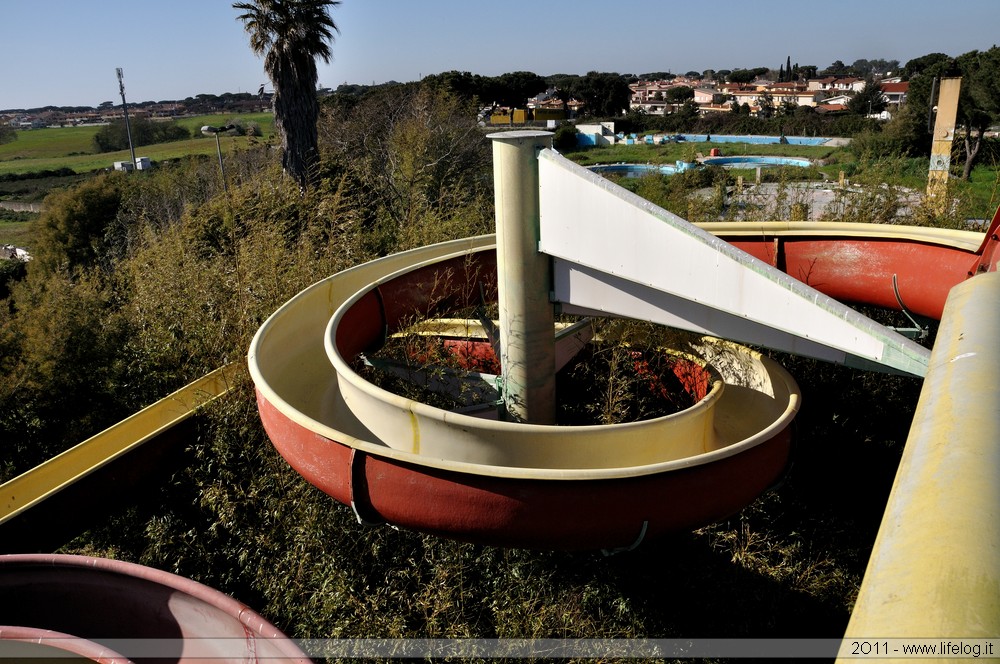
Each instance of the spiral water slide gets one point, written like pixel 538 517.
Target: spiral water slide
pixel 568 236
pixel 508 476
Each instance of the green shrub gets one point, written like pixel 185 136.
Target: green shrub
pixel 870 146
pixel 63 370
pixel 115 136
pixel 70 233
pixel 564 139
pixel 11 271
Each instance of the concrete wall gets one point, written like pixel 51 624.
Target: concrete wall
pixel 21 207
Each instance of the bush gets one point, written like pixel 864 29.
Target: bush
pixel 246 128
pixel 11 271
pixel 71 229
pixel 565 138
pixel 115 136
pixel 427 157
pixel 63 371
pixel 870 146
pixel 36 175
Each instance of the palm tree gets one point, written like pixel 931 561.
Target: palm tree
pixel 291 34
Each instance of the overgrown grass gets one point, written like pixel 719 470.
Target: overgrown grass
pixel 984 187
pixel 787 566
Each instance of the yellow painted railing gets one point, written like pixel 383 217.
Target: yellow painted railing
pixel 43 481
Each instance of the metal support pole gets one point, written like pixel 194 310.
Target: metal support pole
pixel 527 338
pixel 935 568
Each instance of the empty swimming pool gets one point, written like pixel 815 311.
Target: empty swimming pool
pixel 747 161
pixel 755 139
pixel 751 161
pixel 639 170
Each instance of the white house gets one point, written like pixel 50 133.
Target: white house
pixel 895 92
pixel 837 84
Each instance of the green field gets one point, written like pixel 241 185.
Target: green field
pixel 73 147
pixel 17 233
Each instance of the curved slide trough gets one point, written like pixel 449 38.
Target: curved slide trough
pixel 870 263
pixel 112 611
pixel 419 467
pixel 454 475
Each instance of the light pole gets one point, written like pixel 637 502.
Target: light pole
pixel 207 130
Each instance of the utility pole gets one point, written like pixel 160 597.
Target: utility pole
pixel 128 130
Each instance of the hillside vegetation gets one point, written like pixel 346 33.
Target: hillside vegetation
pixel 142 284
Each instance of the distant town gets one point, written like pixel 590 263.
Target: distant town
pixel 658 95
pixel 829 94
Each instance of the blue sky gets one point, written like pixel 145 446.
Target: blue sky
pixel 64 52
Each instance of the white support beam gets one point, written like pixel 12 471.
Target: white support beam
pixel 618 254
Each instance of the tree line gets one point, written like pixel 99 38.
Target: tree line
pixel 114 136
